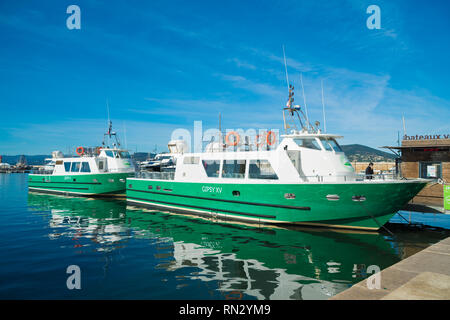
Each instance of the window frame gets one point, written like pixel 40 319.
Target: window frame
pixel 318 142
pixel 75 163
pixel 67 163
pixel 259 178
pixel 327 140
pixel 219 174
pixel 425 164
pixel 83 165
pixel 234 173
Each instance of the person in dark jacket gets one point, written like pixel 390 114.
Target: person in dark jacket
pixel 369 171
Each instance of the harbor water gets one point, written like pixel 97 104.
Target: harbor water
pixel 124 252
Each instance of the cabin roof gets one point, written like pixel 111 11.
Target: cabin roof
pixel 311 135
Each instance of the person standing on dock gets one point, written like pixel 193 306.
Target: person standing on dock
pixel 369 171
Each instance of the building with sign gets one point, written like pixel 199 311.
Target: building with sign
pixel 426 156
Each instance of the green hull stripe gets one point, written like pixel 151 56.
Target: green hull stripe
pixel 53 187
pixel 73 182
pixel 208 209
pixel 232 201
pixel 73 193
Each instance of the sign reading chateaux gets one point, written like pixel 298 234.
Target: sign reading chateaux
pixel 427 137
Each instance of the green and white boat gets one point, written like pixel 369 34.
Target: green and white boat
pixel 306 180
pixel 100 171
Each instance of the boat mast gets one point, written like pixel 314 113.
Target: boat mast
pixel 295 109
pixel 110 133
pixel 304 102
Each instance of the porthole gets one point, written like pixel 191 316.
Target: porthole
pixel 236 193
pixel 358 198
pixel 150 187
pixel 130 186
pixel 333 197
pixel 158 188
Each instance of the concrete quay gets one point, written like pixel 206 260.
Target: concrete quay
pixel 422 276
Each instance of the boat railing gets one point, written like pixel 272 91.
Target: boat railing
pixel 155 175
pixel 41 171
pixel 356 177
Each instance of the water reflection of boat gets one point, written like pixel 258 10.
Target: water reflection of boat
pixel 99 220
pixel 236 259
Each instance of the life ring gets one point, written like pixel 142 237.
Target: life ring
pixel 79 151
pixel 271 141
pixel 236 138
pixel 97 150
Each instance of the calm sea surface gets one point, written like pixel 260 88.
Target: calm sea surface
pixel 130 253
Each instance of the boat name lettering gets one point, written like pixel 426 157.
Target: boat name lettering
pixel 212 189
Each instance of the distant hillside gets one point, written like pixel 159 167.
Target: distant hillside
pixel 142 156
pixel 359 152
pixel 30 160
pixel 34 160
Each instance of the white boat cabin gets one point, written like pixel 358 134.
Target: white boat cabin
pixel 103 160
pixel 300 157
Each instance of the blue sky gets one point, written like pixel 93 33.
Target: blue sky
pixel 163 65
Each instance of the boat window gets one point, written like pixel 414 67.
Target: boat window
pixel 233 169
pixel 309 143
pixel 85 167
pixel 211 167
pixel 109 153
pixel 75 167
pixel 67 166
pixel 261 169
pixel 124 154
pixel 326 145
pixel 191 160
pixel 330 144
pixel 335 145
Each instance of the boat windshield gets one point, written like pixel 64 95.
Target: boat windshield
pixel 109 153
pixel 124 154
pixel 309 143
pixel 330 144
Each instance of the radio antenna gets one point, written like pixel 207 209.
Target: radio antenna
pixel 304 101
pixel 404 126
pixel 323 110
pixel 285 68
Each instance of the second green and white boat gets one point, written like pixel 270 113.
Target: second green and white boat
pixel 100 171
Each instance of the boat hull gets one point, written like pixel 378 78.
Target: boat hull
pixel 98 184
pixel 361 205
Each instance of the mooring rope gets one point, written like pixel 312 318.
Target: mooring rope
pixel 380 226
